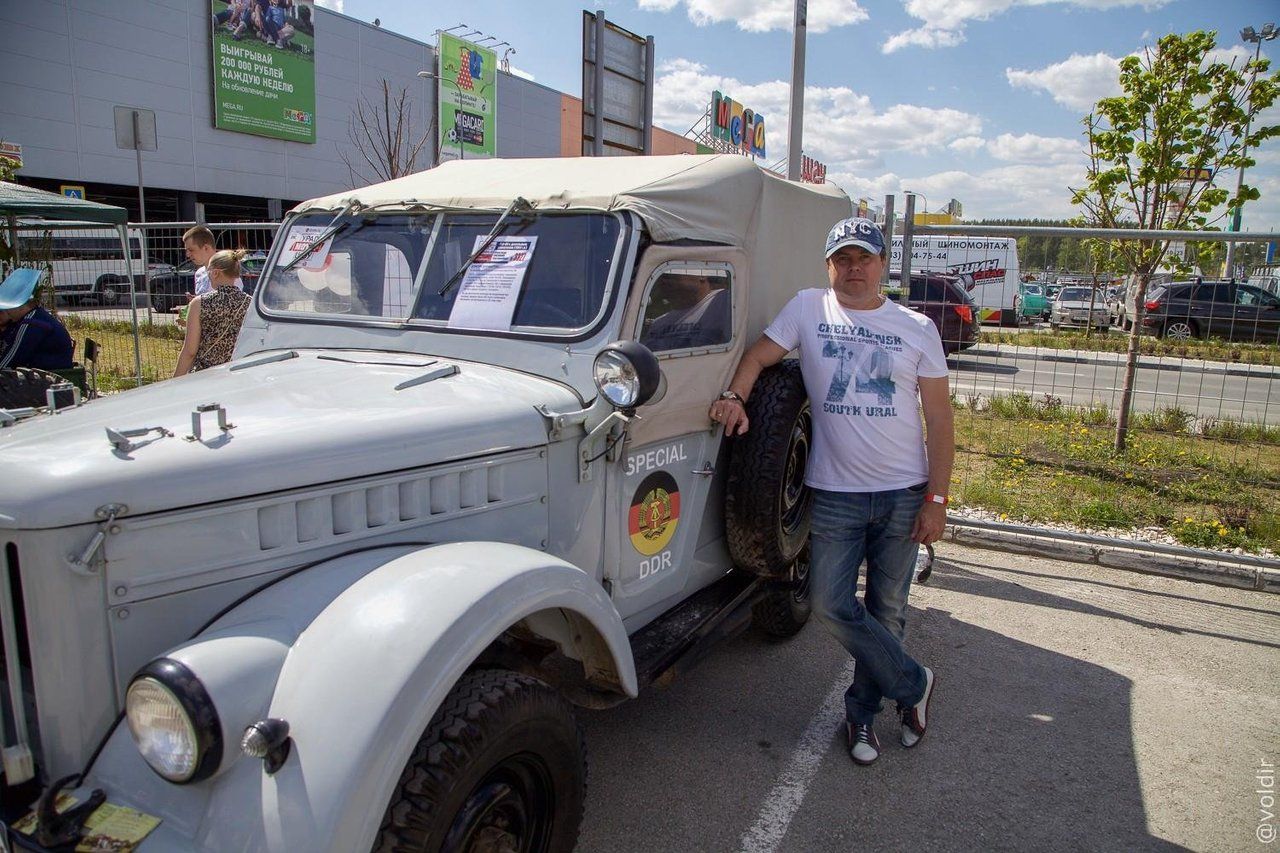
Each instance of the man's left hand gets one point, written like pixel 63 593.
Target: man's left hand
pixel 930 524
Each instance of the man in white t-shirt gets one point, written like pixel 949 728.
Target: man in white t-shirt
pixel 879 480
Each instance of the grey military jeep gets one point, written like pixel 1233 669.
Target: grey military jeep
pixel 344 592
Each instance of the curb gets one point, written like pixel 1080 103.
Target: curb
pixel 1259 579
pixel 1150 362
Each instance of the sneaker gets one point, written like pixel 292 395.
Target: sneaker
pixel 915 718
pixel 864 746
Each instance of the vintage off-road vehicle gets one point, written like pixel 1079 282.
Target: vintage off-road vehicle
pixel 343 592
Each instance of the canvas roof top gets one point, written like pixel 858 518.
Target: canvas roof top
pixel 694 197
pixel 19 200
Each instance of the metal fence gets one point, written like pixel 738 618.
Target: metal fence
pixel 128 302
pixel 1038 396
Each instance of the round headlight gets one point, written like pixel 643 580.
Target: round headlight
pixel 627 374
pixel 173 722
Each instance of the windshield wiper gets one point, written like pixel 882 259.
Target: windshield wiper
pixel 329 231
pixel 520 204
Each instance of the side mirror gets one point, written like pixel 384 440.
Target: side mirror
pixel 627 374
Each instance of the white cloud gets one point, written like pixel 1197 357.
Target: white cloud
pixel 945 20
pixel 335 5
pixel 923 37
pixel 1030 148
pixel 1077 82
pixel 760 16
pixel 968 144
pixel 842 128
pixel 1020 191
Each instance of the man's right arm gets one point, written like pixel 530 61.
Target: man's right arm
pixel 763 353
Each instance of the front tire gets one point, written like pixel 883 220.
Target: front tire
pixel 502 766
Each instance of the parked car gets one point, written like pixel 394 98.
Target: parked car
pixel 1222 309
pixel 1033 303
pixel 1080 307
pixel 945 301
pixel 169 292
pixel 345 592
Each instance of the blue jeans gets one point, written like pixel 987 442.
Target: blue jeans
pixel 848 527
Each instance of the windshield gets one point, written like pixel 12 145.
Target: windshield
pixel 1033 289
pixel 541 273
pixel 1074 294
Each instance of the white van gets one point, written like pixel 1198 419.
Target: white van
pixel 87 263
pixel 990 264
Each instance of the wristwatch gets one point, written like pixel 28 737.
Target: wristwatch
pixel 937 499
pixel 732 395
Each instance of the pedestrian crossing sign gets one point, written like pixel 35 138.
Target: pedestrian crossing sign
pixel 73 191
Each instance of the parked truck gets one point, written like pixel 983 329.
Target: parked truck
pixel 345 591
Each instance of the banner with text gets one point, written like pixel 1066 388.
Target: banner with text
pixel 467 95
pixel 264 70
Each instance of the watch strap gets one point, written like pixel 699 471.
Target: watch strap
pixel 732 395
pixel 937 499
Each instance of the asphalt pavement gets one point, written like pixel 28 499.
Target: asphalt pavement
pixel 1078 707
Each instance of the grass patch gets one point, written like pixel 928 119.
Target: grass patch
pixel 1038 461
pixel 160 345
pixel 1209 350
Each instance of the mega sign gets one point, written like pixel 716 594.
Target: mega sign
pixel 737 125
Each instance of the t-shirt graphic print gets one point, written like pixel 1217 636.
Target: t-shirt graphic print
pixel 860 370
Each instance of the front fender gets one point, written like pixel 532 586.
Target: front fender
pixel 358 687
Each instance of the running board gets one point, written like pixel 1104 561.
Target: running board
pixel 679 638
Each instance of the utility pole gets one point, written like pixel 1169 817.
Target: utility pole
pixel 795 120
pixel 1250 36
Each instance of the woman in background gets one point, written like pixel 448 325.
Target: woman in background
pixel 214 318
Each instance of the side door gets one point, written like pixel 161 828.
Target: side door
pixel 1257 314
pixel 665 500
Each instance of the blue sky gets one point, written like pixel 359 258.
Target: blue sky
pixel 979 100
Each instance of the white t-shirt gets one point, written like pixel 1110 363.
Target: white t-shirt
pixel 203 285
pixel 860 370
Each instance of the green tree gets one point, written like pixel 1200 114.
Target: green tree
pixel 1156 150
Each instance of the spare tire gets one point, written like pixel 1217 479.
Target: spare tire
pixel 767 504
pixel 24 387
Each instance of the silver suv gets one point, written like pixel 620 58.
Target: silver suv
pixel 344 592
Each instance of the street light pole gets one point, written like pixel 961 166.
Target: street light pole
pixel 923 196
pixel 430 75
pixel 1250 36
pixel 795 119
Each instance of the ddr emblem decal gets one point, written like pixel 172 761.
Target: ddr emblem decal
pixel 655 513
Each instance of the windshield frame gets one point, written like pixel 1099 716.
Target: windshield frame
pixel 628 226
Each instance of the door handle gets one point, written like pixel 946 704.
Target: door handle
pixel 706 470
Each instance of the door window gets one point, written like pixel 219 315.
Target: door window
pixel 688 307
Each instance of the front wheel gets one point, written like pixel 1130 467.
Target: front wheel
pixel 501 767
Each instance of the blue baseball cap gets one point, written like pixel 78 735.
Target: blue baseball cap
pixel 18 288
pixel 855 231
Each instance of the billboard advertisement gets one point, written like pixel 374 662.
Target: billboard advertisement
pixel 264 69
pixel 467 95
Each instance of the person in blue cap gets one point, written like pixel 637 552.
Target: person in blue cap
pixel 30 336
pixel 879 482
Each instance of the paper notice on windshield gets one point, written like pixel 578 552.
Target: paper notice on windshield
pixel 489 290
pixel 301 236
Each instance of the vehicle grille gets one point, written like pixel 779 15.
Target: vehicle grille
pixel 17 701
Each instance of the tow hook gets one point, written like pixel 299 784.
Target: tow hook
pixel 57 830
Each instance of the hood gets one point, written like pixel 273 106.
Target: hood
pixel 317 417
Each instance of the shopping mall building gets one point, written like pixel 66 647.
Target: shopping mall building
pixel 69 67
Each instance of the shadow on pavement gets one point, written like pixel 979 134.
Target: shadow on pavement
pixel 1028 749
pixel 952 576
